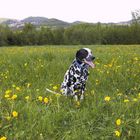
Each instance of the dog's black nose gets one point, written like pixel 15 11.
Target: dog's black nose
pixel 93 58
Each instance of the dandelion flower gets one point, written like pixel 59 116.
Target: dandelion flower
pixel 118 122
pixel 57 95
pixel 7 96
pixel 28 85
pixel 126 101
pixel 46 100
pixel 135 99
pixel 8 91
pixel 18 88
pixel 55 87
pixel 3 138
pixel 107 98
pixel 25 64
pixel 40 98
pixel 78 103
pixel 13 86
pixel 27 98
pixel 117 133
pixel 8 118
pixel 14 97
pixel 15 114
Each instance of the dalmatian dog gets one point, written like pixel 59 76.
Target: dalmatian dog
pixel 76 76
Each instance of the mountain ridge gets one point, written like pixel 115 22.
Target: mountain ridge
pixel 43 21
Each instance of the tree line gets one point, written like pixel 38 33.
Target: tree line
pixel 84 34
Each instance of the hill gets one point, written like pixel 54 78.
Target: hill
pixel 43 21
pixel 37 21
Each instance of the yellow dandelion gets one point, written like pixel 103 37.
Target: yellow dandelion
pixel 136 58
pixel 8 118
pixel 110 65
pixel 137 121
pixel 25 64
pixel 138 95
pixel 28 85
pixel 3 138
pixel 18 88
pixel 27 98
pixel 118 122
pixel 40 98
pixel 119 94
pixel 6 95
pixel 135 99
pixel 37 90
pixel 13 85
pixel 107 72
pixel 57 95
pixel 117 133
pixel 107 98
pixel 46 100
pixel 78 103
pixel 14 97
pixel 61 90
pixel 15 114
pixel 97 81
pixel 126 101
pixel 8 91
pixel 55 87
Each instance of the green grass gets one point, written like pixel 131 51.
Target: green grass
pixel 32 69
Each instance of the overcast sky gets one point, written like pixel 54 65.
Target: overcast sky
pixel 70 10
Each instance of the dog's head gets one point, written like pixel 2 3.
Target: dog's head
pixel 85 55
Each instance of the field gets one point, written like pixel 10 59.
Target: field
pixel 110 111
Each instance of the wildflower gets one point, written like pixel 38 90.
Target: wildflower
pixel 107 72
pixel 126 101
pixel 138 95
pixel 13 86
pixel 137 121
pixel 55 87
pixel 61 90
pixel 8 91
pixel 57 95
pixel 18 88
pixel 119 94
pixel 40 98
pixel 25 64
pixel 78 103
pixel 117 133
pixel 15 114
pixel 107 98
pixel 3 138
pixel 136 58
pixel 6 95
pixel 37 90
pixel 135 99
pixel 118 122
pixel 27 98
pixel 14 97
pixel 97 81
pixel 28 85
pixel 110 65
pixel 8 118
pixel 46 100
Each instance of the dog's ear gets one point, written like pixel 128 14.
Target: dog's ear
pixel 81 54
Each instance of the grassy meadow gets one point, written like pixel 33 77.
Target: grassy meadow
pixel 110 111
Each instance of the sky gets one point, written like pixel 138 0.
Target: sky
pixel 71 10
